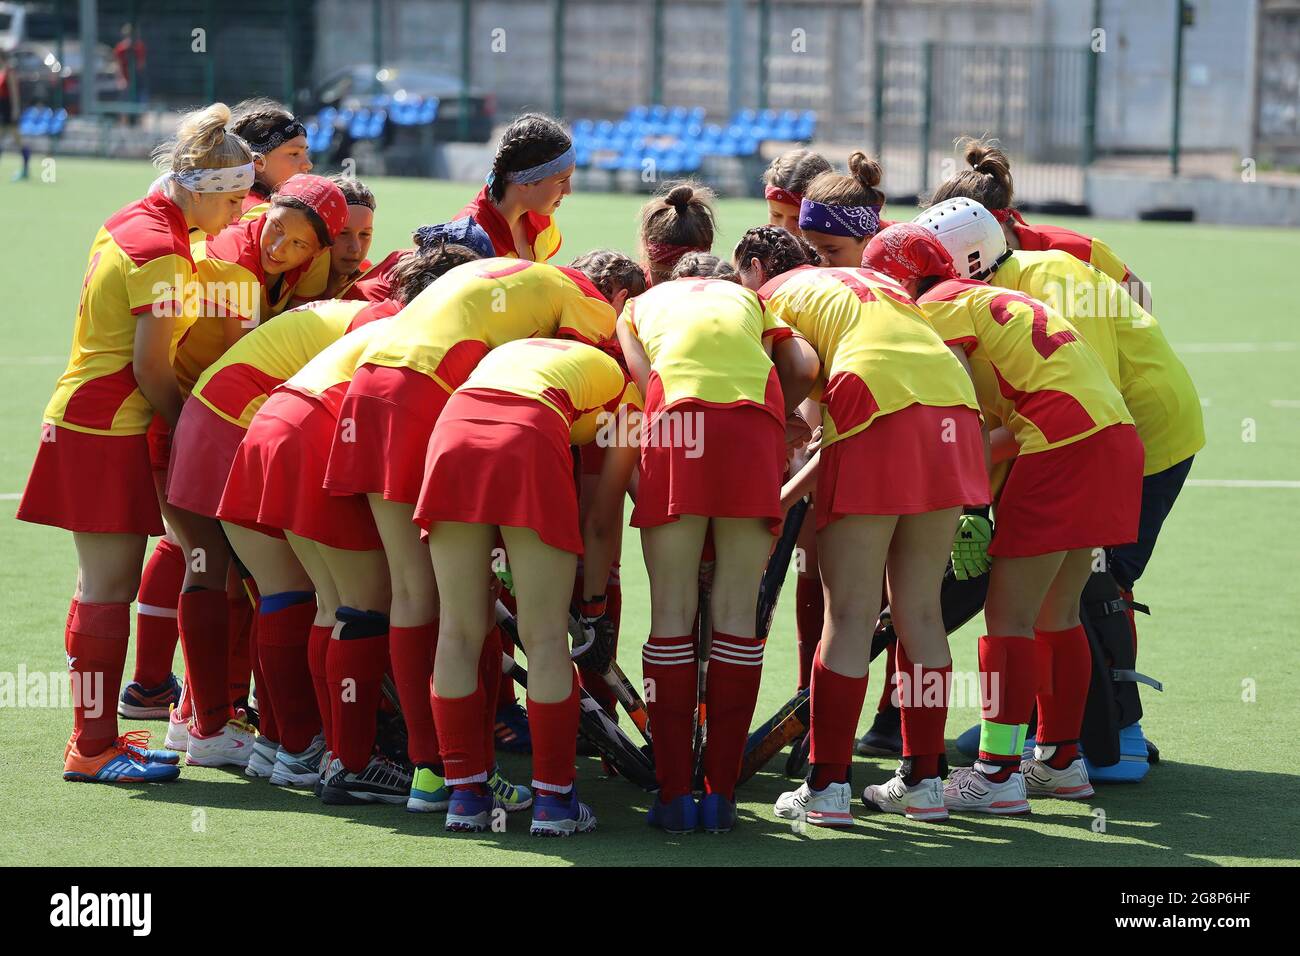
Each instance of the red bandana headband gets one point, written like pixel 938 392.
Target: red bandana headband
pixel 782 196
pixel 1002 215
pixel 666 254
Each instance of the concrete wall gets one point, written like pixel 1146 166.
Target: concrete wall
pixel 1120 195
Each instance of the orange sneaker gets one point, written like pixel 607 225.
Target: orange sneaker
pixel 118 763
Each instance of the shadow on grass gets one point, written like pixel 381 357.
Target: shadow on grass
pixel 1181 815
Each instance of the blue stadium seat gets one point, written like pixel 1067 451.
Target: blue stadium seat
pixel 658 114
pixel 806 125
pixel 428 111
pixel 327 116
pixel 638 114
pixel 58 122
pixel 583 128
pixel 35 121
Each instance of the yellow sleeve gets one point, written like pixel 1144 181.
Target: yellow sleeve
pixel 314 281
pixel 159 284
pixel 547 243
pixel 585 318
pixel 1103 258
pixel 229 291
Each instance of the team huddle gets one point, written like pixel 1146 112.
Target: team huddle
pixel 368 480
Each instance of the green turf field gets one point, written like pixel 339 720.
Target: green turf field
pixel 1222 587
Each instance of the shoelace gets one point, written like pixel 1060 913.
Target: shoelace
pixel 133 738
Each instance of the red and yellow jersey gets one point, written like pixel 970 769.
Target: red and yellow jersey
pixel 448 328
pixel 581 384
pixel 1138 358
pixel 335 365
pixel 705 341
pixel 1040 238
pixel 543 234
pixel 1033 371
pixel 256 202
pixel 878 353
pixel 139 263
pixel 237 384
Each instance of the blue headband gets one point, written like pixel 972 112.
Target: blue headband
pixel 459 232
pixel 535 174
pixel 853 222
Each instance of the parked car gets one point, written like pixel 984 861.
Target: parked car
pixel 356 86
pixel 31 34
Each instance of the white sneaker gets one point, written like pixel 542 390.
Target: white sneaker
pixel 968 789
pixel 262 760
pixel 232 745
pixel 178 730
pixel 300 769
pixel 823 808
pixel 922 801
pixel 1044 780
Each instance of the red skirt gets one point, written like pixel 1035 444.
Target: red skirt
pixel 503 460
pixel 203 450
pixel 392 412
pixel 921 458
pixel 100 484
pixel 1087 494
pixel 275 479
pixel 160 443
pixel 720 462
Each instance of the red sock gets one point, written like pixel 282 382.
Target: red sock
pixel 318 645
pixel 1008 683
pixel 835 708
pixel 891 668
pixel 554 728
pixel 268 717
pixel 671 674
pixel 96 640
pixel 735 667
pixel 1062 697
pixel 412 650
pixel 923 700
pixel 282 639
pixel 489 676
pixel 242 657
pixel 204 634
pixel 362 663
pixel 156 633
pixel 460 737
pixel 809 612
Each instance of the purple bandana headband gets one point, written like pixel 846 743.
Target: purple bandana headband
pixel 853 222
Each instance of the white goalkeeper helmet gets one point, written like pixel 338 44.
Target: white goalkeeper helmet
pixel 971 235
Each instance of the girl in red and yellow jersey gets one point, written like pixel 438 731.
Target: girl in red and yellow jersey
pixel 280 142
pixel 785 182
pixel 335 271
pixel 674 224
pixel 499 463
pixel 531 175
pixel 92 473
pixel 1074 488
pixel 246 274
pixel 891 392
pixel 988 182
pixel 702 351
pixel 402 382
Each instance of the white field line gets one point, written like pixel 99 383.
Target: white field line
pixel 1239 483
pixel 1285 403
pixel 1196 347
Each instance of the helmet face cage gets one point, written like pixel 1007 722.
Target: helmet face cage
pixel 971 235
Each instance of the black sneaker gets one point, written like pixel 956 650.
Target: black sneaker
pixel 885 738
pixel 511 731
pixel 382 781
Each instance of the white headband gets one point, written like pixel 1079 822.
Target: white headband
pixel 229 180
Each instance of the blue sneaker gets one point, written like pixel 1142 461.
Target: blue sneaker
pixel 681 815
pixel 717 813
pixel 136 741
pixel 116 764
pixel 1134 759
pixel 511 731
pixel 149 703
pixel 469 810
pixel 561 815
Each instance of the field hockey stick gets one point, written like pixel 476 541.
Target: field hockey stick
pixel 778 565
pixel 624 692
pixel 703 648
pixel 595 726
pixel 790 722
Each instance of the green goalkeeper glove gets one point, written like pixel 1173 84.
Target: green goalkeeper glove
pixel 970 548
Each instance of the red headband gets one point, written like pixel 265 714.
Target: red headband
pixel 907 251
pixel 322 197
pixel 1002 215
pixel 783 196
pixel 666 254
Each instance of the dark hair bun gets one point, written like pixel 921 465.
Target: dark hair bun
pixel 865 170
pixel 680 196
